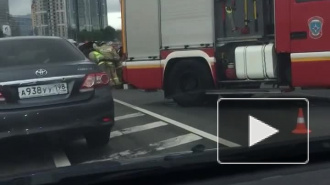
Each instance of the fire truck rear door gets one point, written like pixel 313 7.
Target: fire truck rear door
pixel 310 43
pixel 310 25
pixel 142 28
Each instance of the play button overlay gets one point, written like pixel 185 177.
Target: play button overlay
pixel 259 131
pixel 263 131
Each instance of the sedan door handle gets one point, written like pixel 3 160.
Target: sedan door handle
pixel 298 35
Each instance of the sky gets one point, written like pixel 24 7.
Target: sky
pixel 23 7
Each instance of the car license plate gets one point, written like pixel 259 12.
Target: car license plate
pixel 42 90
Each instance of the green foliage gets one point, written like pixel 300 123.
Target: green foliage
pixel 107 34
pixel 118 34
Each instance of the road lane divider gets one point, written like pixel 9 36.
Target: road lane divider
pixel 139 128
pixel 181 125
pixel 153 147
pixel 128 116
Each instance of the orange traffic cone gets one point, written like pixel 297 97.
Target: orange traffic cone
pixel 301 126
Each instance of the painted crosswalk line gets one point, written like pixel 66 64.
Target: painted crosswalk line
pixel 153 147
pixel 137 129
pixel 128 116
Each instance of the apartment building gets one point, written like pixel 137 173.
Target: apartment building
pixel 4 13
pixel 59 17
pixel 49 17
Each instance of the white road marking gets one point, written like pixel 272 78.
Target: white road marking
pixel 60 159
pixel 128 116
pixel 127 154
pixel 176 141
pixel 181 125
pixel 137 129
pixel 158 146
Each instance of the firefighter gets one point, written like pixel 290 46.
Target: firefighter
pixel 95 56
pixel 108 51
pixel 109 61
pixel 99 58
pixel 118 60
pixel 119 66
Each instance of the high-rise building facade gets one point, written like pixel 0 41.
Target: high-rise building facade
pixel 4 13
pixel 49 17
pixel 59 17
pixel 34 17
pixel 103 13
pixel 99 14
pixel 40 19
pixel 24 24
pixel 92 14
pixel 84 14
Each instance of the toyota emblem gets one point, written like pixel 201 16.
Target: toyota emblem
pixel 41 72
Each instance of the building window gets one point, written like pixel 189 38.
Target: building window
pixel 62 16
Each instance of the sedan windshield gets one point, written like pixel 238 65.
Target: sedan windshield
pixel 27 51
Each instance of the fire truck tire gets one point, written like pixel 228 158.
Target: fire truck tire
pixel 189 79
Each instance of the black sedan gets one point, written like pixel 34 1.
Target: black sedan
pixel 48 86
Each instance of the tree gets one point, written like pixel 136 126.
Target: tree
pixel 82 36
pixel 118 34
pixel 72 33
pixel 109 33
pixel 106 34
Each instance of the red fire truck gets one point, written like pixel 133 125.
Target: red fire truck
pixel 192 48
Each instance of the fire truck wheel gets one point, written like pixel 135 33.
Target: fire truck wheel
pixel 188 81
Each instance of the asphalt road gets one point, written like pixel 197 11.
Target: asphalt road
pixel 146 125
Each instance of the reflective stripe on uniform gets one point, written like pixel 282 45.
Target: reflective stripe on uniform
pixel 108 63
pixel 97 55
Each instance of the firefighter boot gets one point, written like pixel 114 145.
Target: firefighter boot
pixel 119 71
pixel 113 72
pixel 118 83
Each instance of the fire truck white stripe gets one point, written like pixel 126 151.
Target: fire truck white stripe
pixel 310 55
pixel 141 63
pixel 137 129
